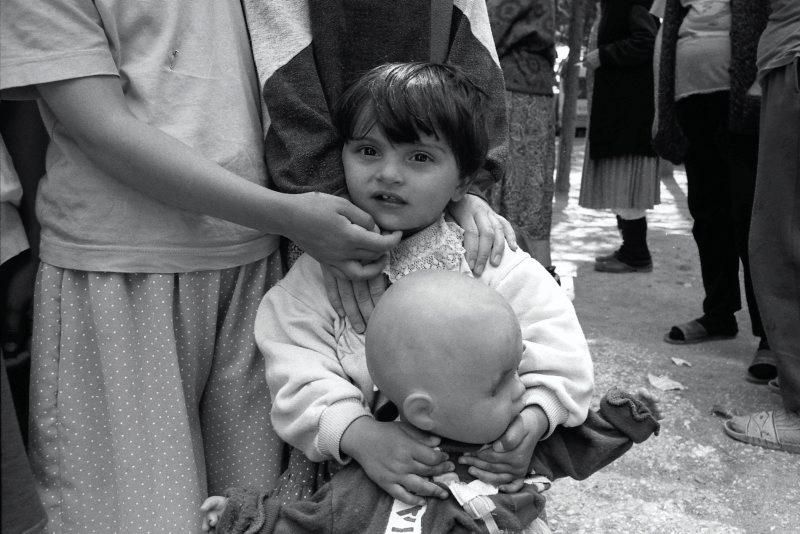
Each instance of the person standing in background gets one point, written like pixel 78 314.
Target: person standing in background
pixel 708 120
pixel 775 230
pixel 524 34
pixel 621 170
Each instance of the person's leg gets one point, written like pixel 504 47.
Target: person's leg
pixel 704 120
pixel 525 195
pixel 633 255
pixel 114 430
pixel 241 448
pixel 743 165
pixel 775 257
pixel 774 242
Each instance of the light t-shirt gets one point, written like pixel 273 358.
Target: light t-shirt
pixel 780 41
pixel 703 53
pixel 186 68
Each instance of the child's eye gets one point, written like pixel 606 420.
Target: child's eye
pixel 367 151
pixel 421 157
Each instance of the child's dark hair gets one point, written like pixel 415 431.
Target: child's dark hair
pixel 406 99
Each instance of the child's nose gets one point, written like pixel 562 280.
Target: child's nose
pixel 391 171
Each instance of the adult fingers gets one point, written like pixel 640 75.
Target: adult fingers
pixel 486 238
pixel 332 289
pixel 356 270
pixel 350 303
pixel 508 232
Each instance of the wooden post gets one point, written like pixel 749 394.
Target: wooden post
pixel 575 40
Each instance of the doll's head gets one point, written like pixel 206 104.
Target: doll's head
pixel 445 349
pixel 414 136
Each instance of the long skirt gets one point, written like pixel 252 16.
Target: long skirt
pixel 148 394
pixel 623 182
pixel 525 195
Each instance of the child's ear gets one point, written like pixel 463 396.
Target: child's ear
pixel 462 188
pixel 417 410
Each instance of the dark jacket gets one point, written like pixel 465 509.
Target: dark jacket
pixel 622 98
pixel 748 20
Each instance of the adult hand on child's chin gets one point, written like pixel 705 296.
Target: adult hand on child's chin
pixel 354 299
pixel 351 243
pixel 485 232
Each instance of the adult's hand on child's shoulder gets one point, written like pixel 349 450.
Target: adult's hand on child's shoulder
pixel 398 458
pixel 485 232
pixel 336 232
pixel 354 299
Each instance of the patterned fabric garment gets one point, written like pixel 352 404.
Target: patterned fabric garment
pixel 525 195
pixel 143 403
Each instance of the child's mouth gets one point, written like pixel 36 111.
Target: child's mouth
pixel 388 198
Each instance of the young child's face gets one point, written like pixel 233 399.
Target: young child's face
pixel 403 186
pixel 482 399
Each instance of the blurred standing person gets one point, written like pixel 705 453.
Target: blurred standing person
pixel 708 120
pixel 524 34
pixel 775 230
pixel 621 170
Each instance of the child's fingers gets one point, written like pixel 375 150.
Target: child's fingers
pixel 429 440
pixel 421 487
pixel 512 437
pixel 496 479
pixel 432 470
pixel 399 492
pixel 512 487
pixel 497 465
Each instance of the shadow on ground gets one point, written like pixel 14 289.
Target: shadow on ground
pixel 691 478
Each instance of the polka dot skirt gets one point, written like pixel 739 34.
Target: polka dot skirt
pixel 147 395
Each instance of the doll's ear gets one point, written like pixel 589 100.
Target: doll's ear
pixel 417 410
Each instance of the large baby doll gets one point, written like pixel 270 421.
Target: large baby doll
pixel 448 367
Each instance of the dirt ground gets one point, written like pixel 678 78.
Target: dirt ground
pixel 692 477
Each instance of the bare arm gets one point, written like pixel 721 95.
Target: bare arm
pixel 94 112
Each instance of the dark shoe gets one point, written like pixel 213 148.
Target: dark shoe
pixel 695 332
pixel 763 368
pixel 616 265
pixel 607 257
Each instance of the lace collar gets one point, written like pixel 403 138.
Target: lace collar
pixel 438 247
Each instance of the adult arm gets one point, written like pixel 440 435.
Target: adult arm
pixel 94 112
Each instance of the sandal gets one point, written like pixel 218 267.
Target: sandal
pixel 763 368
pixel 775 429
pixel 694 332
